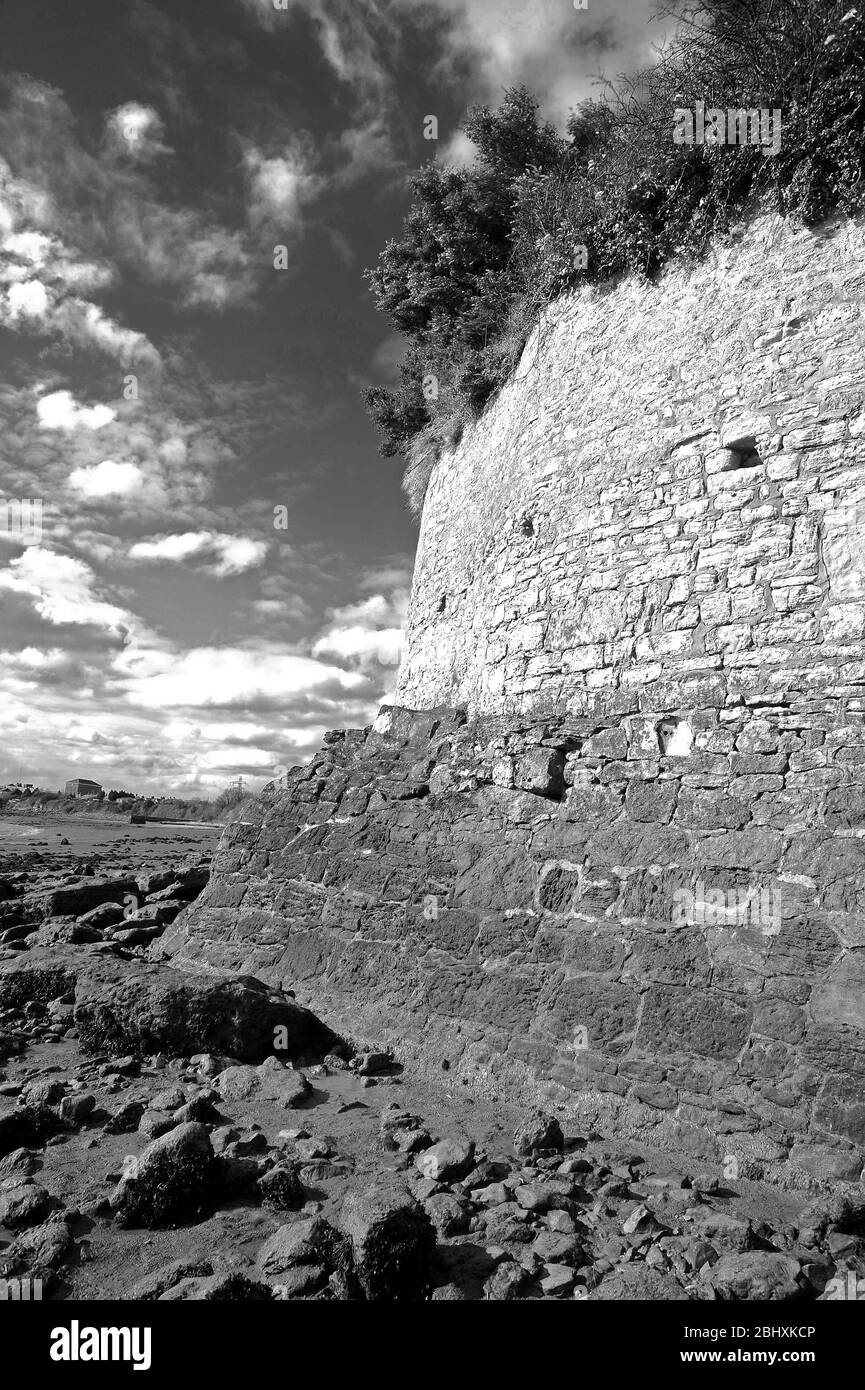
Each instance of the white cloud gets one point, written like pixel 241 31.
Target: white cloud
pixel 281 186
pixel 136 131
pixel 28 300
pixel 60 411
pixel 107 479
pixel 366 633
pixel 232 676
pixel 62 589
pixel 233 554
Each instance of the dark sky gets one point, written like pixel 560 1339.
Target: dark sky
pixel 165 388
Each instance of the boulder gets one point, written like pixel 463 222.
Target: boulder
pixel 392 1241
pixel 538 1133
pixel 76 898
pixel 447 1161
pixel 27 1126
pixel 175 1179
pixel 22 1203
pixel 761 1275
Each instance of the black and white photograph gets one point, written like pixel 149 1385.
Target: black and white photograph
pixel 432 674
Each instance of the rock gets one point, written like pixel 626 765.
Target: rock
pixel 77 898
pixel 281 1188
pixel 126 1119
pixel 492 1195
pixel 828 1162
pixel 311 1242
pixel 40 1249
pixel 142 1007
pixel 289 1088
pixel 447 1214
pixel 175 1179
pixel 200 1109
pixel 728 1232
pixel 635 1282
pixel 557 1280
pixel 240 1175
pixel 539 1133
pixel 371 1062
pixel 22 1203
pixel 761 1275
pixel 392 1241
pixel 553 1248
pixel 155 1008
pixel 446 1161
pixel 19 1163
pixel 159 1281
pixel 507 1281
pixel 76 1108
pixel 26 1126
pixel 44 1092
pixel 106 915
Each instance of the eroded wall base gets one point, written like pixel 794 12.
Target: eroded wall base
pixel 670 942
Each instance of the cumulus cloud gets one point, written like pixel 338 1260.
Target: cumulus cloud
pixel 369 633
pixel 60 411
pixel 233 554
pixel 62 589
pixel 107 479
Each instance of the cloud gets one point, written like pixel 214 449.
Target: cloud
pixel 235 554
pixel 60 411
pixel 281 186
pixel 107 479
pixel 135 131
pixel 367 634
pixel 62 589
pixel 50 303
pixel 258 675
pixel 80 217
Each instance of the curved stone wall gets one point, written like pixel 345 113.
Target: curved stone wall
pixel 671 491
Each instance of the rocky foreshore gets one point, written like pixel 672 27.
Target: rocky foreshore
pixel 267 1158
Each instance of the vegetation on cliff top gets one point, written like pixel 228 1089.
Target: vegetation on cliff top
pixel 484 249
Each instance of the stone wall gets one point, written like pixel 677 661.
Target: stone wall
pixel 672 488
pixel 670 945
pixel 613 852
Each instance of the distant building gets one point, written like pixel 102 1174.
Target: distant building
pixel 82 787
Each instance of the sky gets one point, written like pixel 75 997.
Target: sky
pixel 216 563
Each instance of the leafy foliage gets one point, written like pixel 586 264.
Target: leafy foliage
pixel 484 249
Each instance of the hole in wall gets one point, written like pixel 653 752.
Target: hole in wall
pixel 527 526
pixel 675 738
pixel 443 603
pixel 742 454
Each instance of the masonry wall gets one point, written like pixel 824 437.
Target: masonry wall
pixel 671 491
pixel 608 851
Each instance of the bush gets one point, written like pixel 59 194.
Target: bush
pixel 483 250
